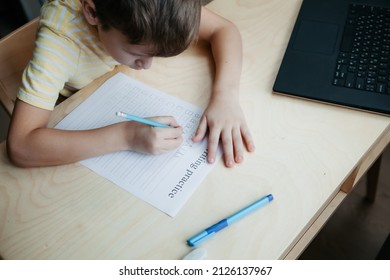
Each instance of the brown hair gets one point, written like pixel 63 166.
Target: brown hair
pixel 168 25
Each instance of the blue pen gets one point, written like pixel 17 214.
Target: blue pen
pixel 209 232
pixel 141 120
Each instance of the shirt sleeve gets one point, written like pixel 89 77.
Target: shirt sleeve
pixel 54 61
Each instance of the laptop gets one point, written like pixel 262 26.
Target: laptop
pixel 339 53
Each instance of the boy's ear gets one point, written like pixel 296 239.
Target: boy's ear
pixel 89 12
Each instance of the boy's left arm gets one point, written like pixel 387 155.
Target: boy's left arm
pixel 223 118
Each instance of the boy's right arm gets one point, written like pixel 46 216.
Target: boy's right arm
pixel 30 143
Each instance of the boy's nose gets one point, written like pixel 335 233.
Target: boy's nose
pixel 144 63
pixel 147 62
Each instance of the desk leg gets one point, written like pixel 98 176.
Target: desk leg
pixel 350 181
pixel 372 180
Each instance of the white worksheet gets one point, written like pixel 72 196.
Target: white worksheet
pixel 165 181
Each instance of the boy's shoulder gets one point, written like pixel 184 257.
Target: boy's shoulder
pixel 63 17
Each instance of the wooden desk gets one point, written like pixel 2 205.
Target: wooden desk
pixel 305 153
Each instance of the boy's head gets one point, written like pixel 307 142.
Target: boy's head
pixel 167 27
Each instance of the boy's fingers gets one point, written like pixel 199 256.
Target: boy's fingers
pixel 238 146
pixel 201 130
pixel 249 143
pixel 213 141
pixel 166 120
pixel 227 145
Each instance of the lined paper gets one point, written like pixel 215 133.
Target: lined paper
pixel 165 181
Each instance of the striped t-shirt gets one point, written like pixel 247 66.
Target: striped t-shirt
pixel 67 56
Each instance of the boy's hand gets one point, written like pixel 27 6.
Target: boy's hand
pixel 154 140
pixel 225 121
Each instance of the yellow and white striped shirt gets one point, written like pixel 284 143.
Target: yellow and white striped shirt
pixel 67 56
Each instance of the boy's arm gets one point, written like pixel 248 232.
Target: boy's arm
pixel 31 143
pixel 223 117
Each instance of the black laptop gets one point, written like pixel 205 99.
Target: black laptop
pixel 339 53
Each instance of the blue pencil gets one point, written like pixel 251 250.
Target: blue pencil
pixel 210 231
pixel 141 120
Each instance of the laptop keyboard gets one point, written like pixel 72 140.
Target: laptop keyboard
pixel 364 61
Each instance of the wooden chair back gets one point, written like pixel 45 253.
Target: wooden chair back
pixel 15 52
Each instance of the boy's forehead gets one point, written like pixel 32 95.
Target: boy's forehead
pixel 120 38
pixel 146 49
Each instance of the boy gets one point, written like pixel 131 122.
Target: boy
pixel 79 40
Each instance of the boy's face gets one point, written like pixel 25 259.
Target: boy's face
pixel 135 56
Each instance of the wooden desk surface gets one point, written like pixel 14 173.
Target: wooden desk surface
pixel 306 152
